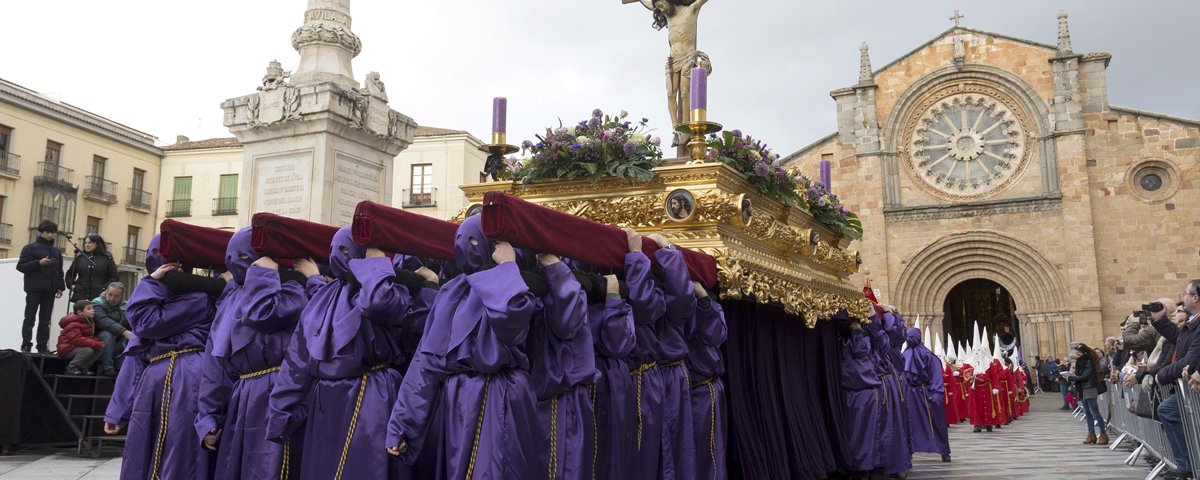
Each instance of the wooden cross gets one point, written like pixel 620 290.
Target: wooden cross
pixel 957 17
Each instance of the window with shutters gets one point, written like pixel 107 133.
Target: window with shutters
pixel 93 225
pixel 10 163
pixel 226 201
pixel 180 204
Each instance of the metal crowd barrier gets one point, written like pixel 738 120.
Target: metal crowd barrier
pixel 1148 433
pixel 1189 409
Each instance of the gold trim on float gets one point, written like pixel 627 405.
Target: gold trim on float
pixel 782 257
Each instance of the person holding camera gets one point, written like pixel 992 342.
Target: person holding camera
pixel 1187 356
pixel 1138 335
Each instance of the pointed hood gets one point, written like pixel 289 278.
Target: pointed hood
pixel 342 250
pixel 153 258
pixel 472 250
pixel 239 255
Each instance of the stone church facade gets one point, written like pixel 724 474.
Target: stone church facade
pixel 980 157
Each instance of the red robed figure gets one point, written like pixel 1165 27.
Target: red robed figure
pixel 192 245
pixel 532 226
pixel 986 409
pixel 950 399
pixel 285 239
pixel 394 230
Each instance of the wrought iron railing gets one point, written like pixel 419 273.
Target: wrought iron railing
pixel 427 199
pixel 139 199
pixel 10 164
pixel 134 256
pixel 179 208
pixel 100 189
pixel 5 234
pixel 53 172
pixel 225 206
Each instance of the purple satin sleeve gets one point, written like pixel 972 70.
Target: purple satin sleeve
pixel 934 370
pixel 154 312
pixel 270 305
pixel 859 345
pixel 710 326
pixel 287 410
pixel 121 403
pixel 613 328
pixel 215 387
pixel 677 286
pixel 566 304
pixel 508 304
pixel 648 302
pixel 382 301
pixel 415 403
pixel 313 284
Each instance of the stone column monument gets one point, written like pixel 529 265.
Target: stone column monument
pixel 315 142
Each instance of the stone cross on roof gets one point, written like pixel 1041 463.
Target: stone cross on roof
pixel 957 17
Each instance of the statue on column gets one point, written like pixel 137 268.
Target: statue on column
pixel 679 17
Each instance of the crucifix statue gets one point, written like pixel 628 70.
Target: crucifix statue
pixel 679 18
pixel 957 17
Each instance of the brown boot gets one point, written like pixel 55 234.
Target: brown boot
pixel 1090 440
pixel 1102 439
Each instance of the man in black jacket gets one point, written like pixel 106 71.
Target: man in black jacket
pixel 42 264
pixel 1187 357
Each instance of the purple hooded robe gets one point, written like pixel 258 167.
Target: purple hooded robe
pixel 706 332
pixel 895 451
pixel 611 322
pixel 648 303
pixel 133 362
pixel 469 382
pixel 677 441
pixel 926 410
pixel 173 329
pixel 863 392
pixel 562 371
pixel 338 379
pixel 254 323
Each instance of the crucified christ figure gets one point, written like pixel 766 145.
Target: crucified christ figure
pixel 679 18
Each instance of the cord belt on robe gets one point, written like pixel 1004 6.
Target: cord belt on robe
pixel 595 429
pixel 259 373
pixel 677 364
pixel 645 367
pixel 553 437
pixel 899 387
pixel 993 403
pixel 478 427
pixel 165 405
pixel 362 389
pixel 712 418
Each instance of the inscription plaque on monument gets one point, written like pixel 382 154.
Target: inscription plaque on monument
pixel 354 180
pixel 283 183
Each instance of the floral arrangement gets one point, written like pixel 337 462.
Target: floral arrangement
pixel 603 145
pixel 764 170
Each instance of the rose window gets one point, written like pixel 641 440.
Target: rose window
pixel 967 145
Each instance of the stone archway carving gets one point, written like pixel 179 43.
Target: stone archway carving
pixel 1033 281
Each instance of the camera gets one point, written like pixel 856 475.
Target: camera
pixel 1153 307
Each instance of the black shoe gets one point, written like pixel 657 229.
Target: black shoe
pixel 990 428
pixel 997 426
pixel 946 458
pixel 1176 475
pixel 43 351
pixel 108 372
pixel 75 371
pixel 979 429
pixel 26 349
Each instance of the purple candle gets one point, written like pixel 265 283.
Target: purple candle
pixel 499 114
pixel 825 175
pixel 699 88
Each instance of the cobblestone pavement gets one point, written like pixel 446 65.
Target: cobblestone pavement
pixel 1043 444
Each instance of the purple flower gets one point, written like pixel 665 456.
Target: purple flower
pixel 737 133
pixel 655 140
pixel 624 114
pixel 597 113
pixel 761 169
pixel 575 146
pixel 629 148
pixel 841 209
pixel 527 144
pixel 645 120
pixel 821 202
pixel 594 122
pixel 583 123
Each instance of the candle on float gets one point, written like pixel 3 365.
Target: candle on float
pixel 699 92
pixel 826 175
pixel 499 119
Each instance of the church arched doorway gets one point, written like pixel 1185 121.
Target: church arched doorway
pixel 979 300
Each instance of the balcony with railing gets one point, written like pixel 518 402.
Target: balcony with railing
pixel 179 208
pixel 225 206
pixel 139 199
pixel 5 234
pixel 100 189
pixel 54 173
pixel 10 164
pixel 134 256
pixel 426 199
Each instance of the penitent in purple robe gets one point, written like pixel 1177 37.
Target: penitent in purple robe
pixel 562 370
pixel 895 452
pixel 648 303
pixel 926 410
pixel 611 322
pixel 338 379
pixel 468 389
pixel 706 332
pixel 120 404
pixel 863 391
pixel 254 323
pixel 677 441
pixel 173 329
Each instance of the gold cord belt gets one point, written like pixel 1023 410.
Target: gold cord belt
pixel 553 466
pixel 362 389
pixel 595 430
pixel 285 467
pixel 645 367
pixel 705 382
pixel 478 427
pixel 165 405
pixel 259 373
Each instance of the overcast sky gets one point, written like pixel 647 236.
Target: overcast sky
pixel 164 66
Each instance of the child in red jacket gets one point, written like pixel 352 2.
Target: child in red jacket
pixel 78 341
